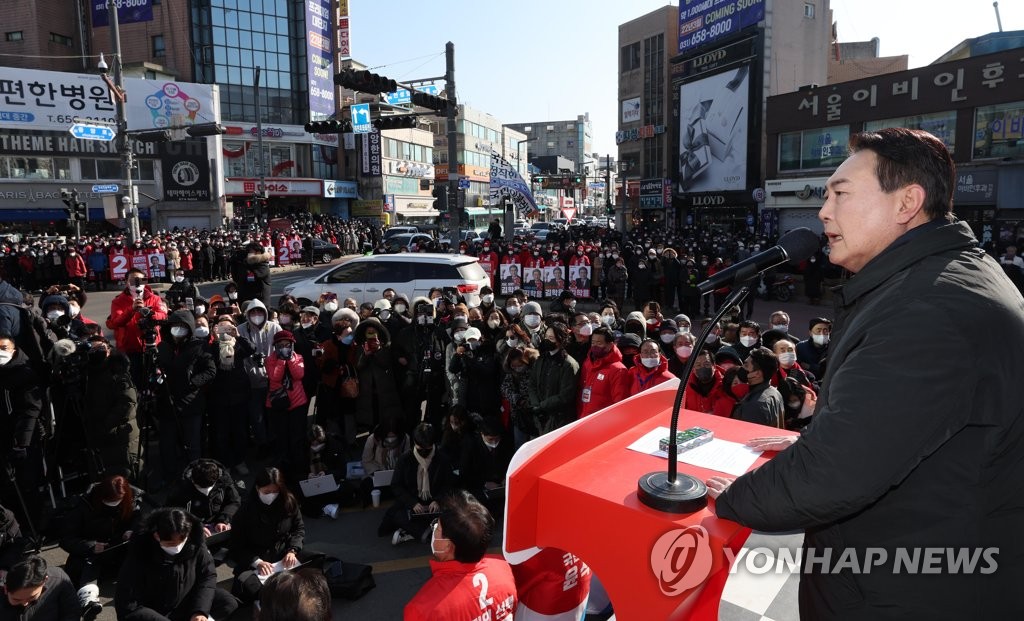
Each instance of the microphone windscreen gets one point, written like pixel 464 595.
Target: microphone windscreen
pixel 64 347
pixel 799 244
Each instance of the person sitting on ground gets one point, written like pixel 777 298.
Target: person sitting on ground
pixel 381 452
pixel 37 592
pixel 301 595
pixel 484 463
pixel 207 491
pixel 12 543
pixel 422 477
pixel 169 574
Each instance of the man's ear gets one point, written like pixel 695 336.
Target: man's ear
pixel 911 203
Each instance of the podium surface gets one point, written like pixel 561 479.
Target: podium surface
pixel 576 489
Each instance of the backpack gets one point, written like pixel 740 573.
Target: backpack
pixel 348 580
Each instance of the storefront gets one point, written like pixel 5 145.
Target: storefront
pixel 796 202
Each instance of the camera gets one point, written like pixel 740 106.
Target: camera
pixel 260 359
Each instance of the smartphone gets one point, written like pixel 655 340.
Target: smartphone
pixel 190 304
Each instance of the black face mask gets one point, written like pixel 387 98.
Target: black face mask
pixel 741 375
pixel 704 374
pixel 424 452
pixel 547 346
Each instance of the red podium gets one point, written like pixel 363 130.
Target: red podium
pixel 576 489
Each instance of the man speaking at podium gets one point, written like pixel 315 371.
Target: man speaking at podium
pixel 909 482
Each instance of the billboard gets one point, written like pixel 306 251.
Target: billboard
pixel 704 21
pixel 186 170
pixel 714 124
pixel 319 62
pixel 51 100
pixel 128 12
pixel 631 110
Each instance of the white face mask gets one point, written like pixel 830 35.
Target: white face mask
pixel 284 320
pixel 5 357
pixel 487 299
pixel 433 538
pixel 512 343
pixel 712 338
pixel 512 310
pixel 491 445
pixel 607 319
pixel 493 324
pixel 179 331
pixel 174 550
pixel 586 329
pixel 820 339
pixel 684 351
pixel 232 296
pixel 330 307
pixel 111 503
pixel 179 279
pixel 649 362
pixel 200 309
pixel 400 308
pixel 781 327
pixel 54 315
pixel 74 310
pixel 205 491
pixel 202 332
pixel 667 338
pixel 787 358
pixel 257 319
pixel 748 341
pixel 306 325
pixel 532 321
pixel 268 498
pixel 316 448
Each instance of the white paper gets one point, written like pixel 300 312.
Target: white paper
pixel 731 458
pixel 278 568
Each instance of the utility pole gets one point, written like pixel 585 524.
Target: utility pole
pixel 454 208
pixel 123 143
pixel 261 169
pixel 608 210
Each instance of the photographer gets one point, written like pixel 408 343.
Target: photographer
pixel 21 401
pixel 260 332
pixel 250 270
pixel 207 491
pixel 111 401
pixel 134 314
pixel 229 394
pixel 182 289
pixel 59 320
pixel 185 367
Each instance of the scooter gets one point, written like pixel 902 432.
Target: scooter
pixel 781 287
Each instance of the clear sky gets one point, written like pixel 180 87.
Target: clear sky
pixel 531 61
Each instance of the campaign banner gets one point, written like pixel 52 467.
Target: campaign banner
pixel 284 252
pixel 319 60
pixel 53 100
pixel 554 281
pixel 506 182
pixel 533 281
pixel 128 12
pixel 120 259
pixel 511 277
pixel 579 281
pixel 702 22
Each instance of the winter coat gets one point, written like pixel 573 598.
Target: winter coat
pixel 75 266
pixel 379 396
pixel 265 532
pixel 617 277
pixel 480 377
pixel 21 403
pixel 403 483
pixel 641 378
pixel 703 397
pixel 603 381
pixel 124 320
pixel 187 368
pixel 12 544
pixel 111 396
pixel 262 338
pixel 481 464
pixel 90 522
pixel 905 455
pixel 552 391
pixel 217 507
pixel 231 384
pixel 151 578
pixel 58 601
pixel 762 405
pixel 276 367
pixel 252 275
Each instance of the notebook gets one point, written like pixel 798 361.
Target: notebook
pixel 382 478
pixel 318 485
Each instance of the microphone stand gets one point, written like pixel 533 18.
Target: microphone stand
pixel 672 492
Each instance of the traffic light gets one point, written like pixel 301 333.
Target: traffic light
pixel 81 211
pixel 440 194
pixel 69 198
pixel 426 100
pixel 610 210
pixel 365 82
pixel 205 129
pixel 577 179
pixel 330 126
pixel 155 135
pixel 397 121
pixel 539 179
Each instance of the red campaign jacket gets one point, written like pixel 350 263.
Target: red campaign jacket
pixel 186 261
pixel 465 592
pixel 75 266
pixel 509 259
pixel 707 403
pixel 125 322
pixel 579 260
pixel 489 261
pixel 641 378
pixel 533 262
pixel 275 378
pixel 602 382
pixel 553 582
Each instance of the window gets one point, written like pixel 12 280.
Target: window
pixel 813 148
pixel 631 57
pixel 997 130
pixel 653 159
pixel 528 129
pixel 551 144
pixel 14 36
pixel 942 125
pixel 350 272
pixel 570 126
pixel 158 46
pixel 60 39
pixel 385 272
pixel 809 10
pixel 35 168
pixel 654 80
pixel 550 128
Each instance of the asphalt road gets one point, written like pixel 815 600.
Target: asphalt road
pixel 399 571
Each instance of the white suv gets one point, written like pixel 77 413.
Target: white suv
pixel 411 274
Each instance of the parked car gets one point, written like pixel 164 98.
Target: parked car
pixel 400 230
pixel 397 242
pixel 323 251
pixel 365 278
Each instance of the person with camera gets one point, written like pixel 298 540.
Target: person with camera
pixel 250 270
pixel 60 323
pixel 286 402
pixel 378 388
pixel 339 385
pixel 185 368
pixel 134 316
pixel 181 289
pixel 21 402
pixel 100 521
pixel 34 591
pixel 419 351
pixel 229 394
pixel 169 575
pixel 260 332
pixel 111 402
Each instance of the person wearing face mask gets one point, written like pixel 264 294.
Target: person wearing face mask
pixel 229 394
pixel 339 384
pixel 704 390
pixel 800 401
pixel 532 321
pixel 420 353
pixel 486 300
pixel 34 591
pixel 565 304
pixel 328 303
pixel 475 363
pixel 103 517
pixel 617 278
pixel 810 353
pixel 459 539
pixel 60 324
pixel 169 574
pixel 110 395
pixel 181 289
pixel 680 350
pixel 488 259
pixel 401 315
pixel 250 270
pixel 513 309
pixel 650 368
pixel 779 321
pixel 207 491
pixel 136 303
pixel 287 403
pixel 748 338
pixel 515 391
pixel 604 380
pixel 325 457
pixel 21 403
pixel 763 403
pixel 383 447
pixel 422 477
pixel 666 335
pixel 74 265
pixel 484 463
pixel 784 349
pixel 180 400
pixel 582 328
pixel 260 332
pixel 376 362
pixel 267 529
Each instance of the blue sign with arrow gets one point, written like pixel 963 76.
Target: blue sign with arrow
pixel 92 132
pixel 109 188
pixel 361 119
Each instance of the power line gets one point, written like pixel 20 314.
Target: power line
pixel 400 62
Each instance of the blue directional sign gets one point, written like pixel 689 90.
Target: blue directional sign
pixel 93 132
pixel 402 96
pixel 361 119
pixel 463 183
pixel 110 188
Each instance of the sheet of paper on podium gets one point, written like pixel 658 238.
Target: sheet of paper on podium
pixel 731 458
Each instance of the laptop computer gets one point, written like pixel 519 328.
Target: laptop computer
pixel 382 478
pixel 318 485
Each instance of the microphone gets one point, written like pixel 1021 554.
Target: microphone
pixel 796 245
